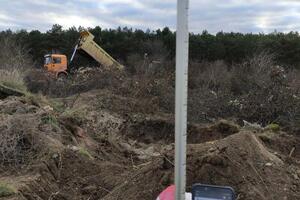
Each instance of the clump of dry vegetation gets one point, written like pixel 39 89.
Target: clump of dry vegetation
pixel 17 140
pixel 6 190
pixel 256 90
pixel 14 61
pixel 17 129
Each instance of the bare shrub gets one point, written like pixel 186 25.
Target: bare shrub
pixel 265 95
pixel 37 81
pixel 151 92
pixel 14 61
pixel 17 141
pixel 270 105
pixel 13 55
pixel 256 90
pixel 212 76
pixel 156 50
pixel 209 91
pixel 135 63
pixel 152 60
pixel 12 78
pixel 293 80
pixel 253 73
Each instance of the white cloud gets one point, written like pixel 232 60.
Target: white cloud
pixel 4 17
pixel 212 15
pixel 73 20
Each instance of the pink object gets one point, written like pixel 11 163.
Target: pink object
pixel 169 194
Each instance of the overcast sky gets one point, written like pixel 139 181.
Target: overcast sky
pixel 212 15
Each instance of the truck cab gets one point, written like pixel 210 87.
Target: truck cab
pixel 56 64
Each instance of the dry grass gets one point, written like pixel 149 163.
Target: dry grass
pixel 13 79
pixel 16 140
pixel 86 153
pixel 6 190
pixel 14 61
pixel 78 114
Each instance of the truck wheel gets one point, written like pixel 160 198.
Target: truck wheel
pixel 62 77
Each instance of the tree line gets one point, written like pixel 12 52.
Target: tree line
pixel 121 43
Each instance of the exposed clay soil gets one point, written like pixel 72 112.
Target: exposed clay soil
pixel 102 151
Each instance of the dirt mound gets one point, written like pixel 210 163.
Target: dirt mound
pixel 282 142
pixel 27 132
pixel 72 175
pixel 90 152
pixel 240 160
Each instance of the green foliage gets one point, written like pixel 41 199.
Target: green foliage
pixel 36 99
pixel 50 119
pixel 6 190
pixel 78 114
pixel 19 86
pixel 85 153
pixel 273 127
pixel 57 105
pixel 122 42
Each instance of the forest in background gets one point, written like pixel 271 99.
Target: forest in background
pixel 126 44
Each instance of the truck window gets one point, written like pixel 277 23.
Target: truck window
pixel 47 60
pixel 56 60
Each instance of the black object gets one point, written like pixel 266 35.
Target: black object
pixel 211 192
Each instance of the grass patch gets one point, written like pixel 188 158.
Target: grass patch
pixel 50 119
pixel 36 99
pixel 77 114
pixel 41 101
pixel 13 79
pixel 6 190
pixel 273 127
pixel 85 153
pixel 57 105
pixel 18 86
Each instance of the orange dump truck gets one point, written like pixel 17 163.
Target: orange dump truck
pixel 58 63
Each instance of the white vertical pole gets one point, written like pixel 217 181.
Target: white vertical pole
pixel 182 45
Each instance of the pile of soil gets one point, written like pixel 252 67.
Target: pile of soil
pixel 240 160
pixel 106 152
